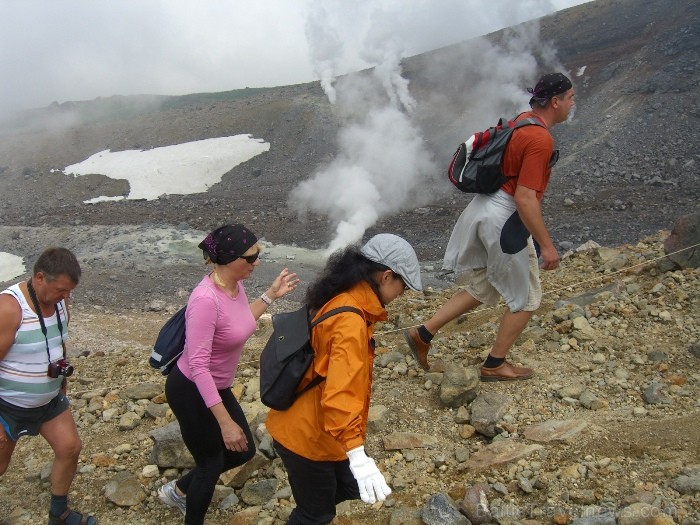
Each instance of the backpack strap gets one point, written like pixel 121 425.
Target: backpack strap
pixel 335 311
pixel 527 121
pixel 319 379
pixel 315 381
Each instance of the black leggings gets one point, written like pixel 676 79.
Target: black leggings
pixel 202 436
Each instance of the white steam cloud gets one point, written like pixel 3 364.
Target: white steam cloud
pixel 325 54
pixel 384 165
pixel 379 164
pixel 382 156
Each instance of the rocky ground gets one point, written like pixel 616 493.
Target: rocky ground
pixel 606 432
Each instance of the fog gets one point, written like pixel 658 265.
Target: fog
pixel 82 49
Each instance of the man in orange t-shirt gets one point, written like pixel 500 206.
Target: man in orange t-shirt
pixel 491 249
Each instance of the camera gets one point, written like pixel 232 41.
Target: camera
pixel 60 368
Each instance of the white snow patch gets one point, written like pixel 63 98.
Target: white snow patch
pixel 103 199
pixel 180 169
pixel 11 266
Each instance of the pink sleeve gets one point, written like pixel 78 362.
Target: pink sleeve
pixel 200 324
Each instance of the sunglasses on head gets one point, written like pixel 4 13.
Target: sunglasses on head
pixel 250 259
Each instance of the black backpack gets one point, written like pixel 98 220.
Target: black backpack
pixel 476 165
pixel 288 355
pixel 169 344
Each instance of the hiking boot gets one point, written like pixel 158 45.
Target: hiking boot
pixel 505 372
pixel 419 348
pixel 170 497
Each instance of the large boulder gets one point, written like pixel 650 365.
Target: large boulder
pixel 685 239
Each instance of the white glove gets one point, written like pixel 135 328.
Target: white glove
pixel 370 481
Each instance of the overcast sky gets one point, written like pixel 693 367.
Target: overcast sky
pixel 60 50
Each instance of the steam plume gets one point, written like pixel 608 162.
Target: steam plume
pixel 384 165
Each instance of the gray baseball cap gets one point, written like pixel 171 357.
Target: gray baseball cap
pixel 396 253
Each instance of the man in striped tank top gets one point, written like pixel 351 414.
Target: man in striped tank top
pixel 33 370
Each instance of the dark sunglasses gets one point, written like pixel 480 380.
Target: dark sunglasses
pixel 250 259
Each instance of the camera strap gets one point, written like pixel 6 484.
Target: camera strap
pixel 44 331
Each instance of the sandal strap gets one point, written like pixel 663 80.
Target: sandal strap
pixel 83 517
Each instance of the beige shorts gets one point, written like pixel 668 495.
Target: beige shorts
pixel 476 283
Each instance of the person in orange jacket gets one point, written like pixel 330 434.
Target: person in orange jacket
pixel 321 437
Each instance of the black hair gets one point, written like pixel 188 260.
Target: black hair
pixel 344 269
pixel 55 262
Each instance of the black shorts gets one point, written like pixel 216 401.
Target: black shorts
pixel 18 421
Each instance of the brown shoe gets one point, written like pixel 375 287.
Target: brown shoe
pixel 419 348
pixel 506 372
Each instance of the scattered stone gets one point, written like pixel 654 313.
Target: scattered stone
pixel 258 492
pixel 572 391
pixel 694 349
pixel 475 505
pixel 237 477
pixel 655 394
pixel 377 418
pixel 507 513
pixel 168 448
pixel 606 518
pixel 441 510
pixel 20 516
pixel 499 453
pixel 589 400
pixel 129 421
pixel 466 431
pixel 582 330
pixel 124 490
pixel 487 410
pixel 688 483
pixel 459 386
pixel 407 440
pixel 150 471
pixel 555 430
pixel 657 356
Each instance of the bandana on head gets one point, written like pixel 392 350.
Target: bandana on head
pixel 227 243
pixel 550 85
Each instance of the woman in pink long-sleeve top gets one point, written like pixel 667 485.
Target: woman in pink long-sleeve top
pixel 219 320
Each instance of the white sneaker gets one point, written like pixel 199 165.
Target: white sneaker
pixel 170 497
